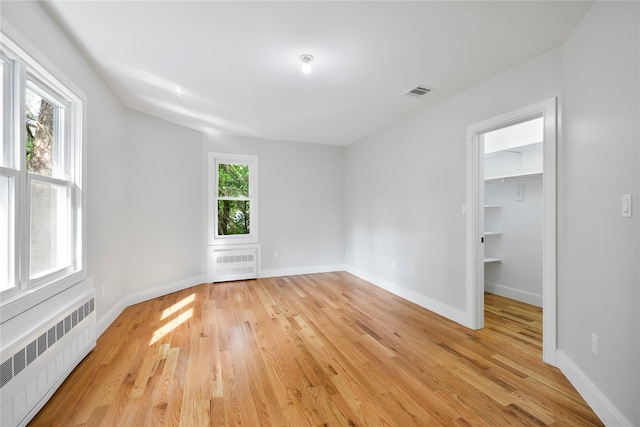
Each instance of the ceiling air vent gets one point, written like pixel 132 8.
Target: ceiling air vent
pixel 418 91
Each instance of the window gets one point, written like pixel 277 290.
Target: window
pixel 233 204
pixel 41 196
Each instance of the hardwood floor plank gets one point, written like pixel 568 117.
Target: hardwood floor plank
pixel 160 396
pixel 315 350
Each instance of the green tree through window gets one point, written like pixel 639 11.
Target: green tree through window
pixel 40 121
pixel 233 199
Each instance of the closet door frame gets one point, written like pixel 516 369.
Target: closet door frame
pixel 475 219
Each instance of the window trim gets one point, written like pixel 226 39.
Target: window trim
pixel 238 239
pixel 30 64
pixel 8 101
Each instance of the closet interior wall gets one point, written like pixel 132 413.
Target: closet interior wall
pixel 513 223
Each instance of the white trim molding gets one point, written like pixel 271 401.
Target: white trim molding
pixel 138 297
pixel 604 409
pixel 452 313
pixel 516 294
pixel 296 271
pixel 474 314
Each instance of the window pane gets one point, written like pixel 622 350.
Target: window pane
pixel 7 246
pixel 42 134
pixel 233 217
pixel 50 232
pixel 233 180
pixel 5 113
pixel 3 110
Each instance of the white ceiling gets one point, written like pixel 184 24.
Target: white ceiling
pixel 234 67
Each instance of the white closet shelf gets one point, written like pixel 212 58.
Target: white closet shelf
pixel 492 206
pixel 490 259
pixel 515 177
pixel 493 233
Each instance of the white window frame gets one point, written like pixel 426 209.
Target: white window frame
pixel 29 65
pixel 225 158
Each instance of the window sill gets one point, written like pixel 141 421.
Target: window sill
pixel 235 240
pixel 19 303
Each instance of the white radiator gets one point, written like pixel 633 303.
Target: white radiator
pixel 40 348
pixel 233 263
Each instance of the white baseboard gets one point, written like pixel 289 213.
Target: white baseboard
pixel 437 307
pixel 516 294
pixel 604 409
pixel 159 291
pixel 295 271
pixel 106 320
pixel 109 317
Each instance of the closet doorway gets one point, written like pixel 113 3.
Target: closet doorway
pixel 512 188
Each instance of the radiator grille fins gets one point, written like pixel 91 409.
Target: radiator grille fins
pixel 235 264
pixel 31 352
pixel 11 367
pixel 52 335
pixel 19 362
pixel 42 344
pixel 6 372
pixel 234 259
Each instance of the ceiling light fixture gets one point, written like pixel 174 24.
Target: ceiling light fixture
pixel 306 62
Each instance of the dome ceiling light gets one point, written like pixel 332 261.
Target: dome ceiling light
pixel 306 62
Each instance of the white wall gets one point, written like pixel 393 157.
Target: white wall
pixel 405 187
pixel 301 201
pixel 164 204
pixel 598 250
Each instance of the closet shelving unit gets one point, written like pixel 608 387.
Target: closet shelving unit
pixel 514 177
pixel 506 178
pixel 488 259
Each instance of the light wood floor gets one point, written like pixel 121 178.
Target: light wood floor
pixel 314 350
